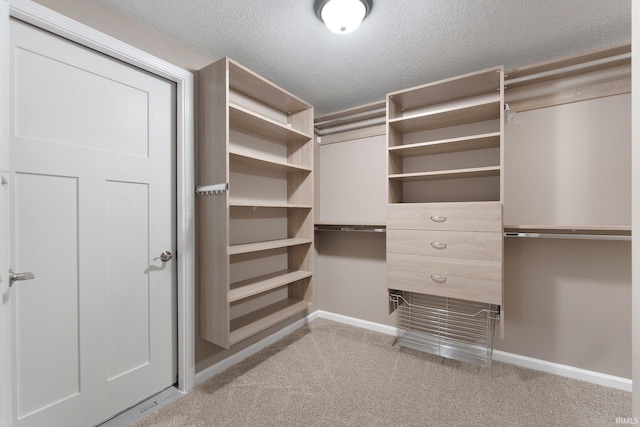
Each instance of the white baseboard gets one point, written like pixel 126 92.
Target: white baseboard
pixel 500 356
pixel 365 324
pixel 563 370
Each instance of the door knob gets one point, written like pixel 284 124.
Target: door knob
pixel 14 277
pixel 164 256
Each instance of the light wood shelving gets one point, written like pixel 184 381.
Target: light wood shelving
pixel 250 127
pixel 454 117
pixel 445 173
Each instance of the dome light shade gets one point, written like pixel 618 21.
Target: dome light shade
pixel 342 16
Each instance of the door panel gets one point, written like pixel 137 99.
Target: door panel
pixel 127 259
pixel 93 161
pixel 46 306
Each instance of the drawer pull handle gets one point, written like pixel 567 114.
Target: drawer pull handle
pixel 438 218
pixel 439 279
pixel 439 245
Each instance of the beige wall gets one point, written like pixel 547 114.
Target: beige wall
pixel 566 301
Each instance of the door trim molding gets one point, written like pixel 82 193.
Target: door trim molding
pixel 46 19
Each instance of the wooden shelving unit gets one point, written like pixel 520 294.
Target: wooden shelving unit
pixel 453 119
pixel 254 269
pixel 445 182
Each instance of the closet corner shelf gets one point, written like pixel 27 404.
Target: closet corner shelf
pixel 351 228
pixel 245 119
pixel 578 232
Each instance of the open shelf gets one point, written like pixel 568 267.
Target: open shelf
pixel 266 164
pixel 452 145
pixel 451 116
pixel 267 282
pixel 265 246
pixel 447 174
pixel 256 123
pixel 245 81
pixel 263 204
pixel 251 128
pixel 250 324
pixel 465 86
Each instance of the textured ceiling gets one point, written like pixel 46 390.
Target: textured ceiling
pixel 402 43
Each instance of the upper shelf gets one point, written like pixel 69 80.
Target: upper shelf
pixel 256 123
pixel 251 84
pixel 475 142
pixel 477 111
pixel 466 86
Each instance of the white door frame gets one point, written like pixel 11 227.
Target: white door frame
pixel 46 19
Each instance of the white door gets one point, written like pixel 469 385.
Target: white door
pixel 93 178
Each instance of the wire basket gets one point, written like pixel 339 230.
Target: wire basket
pixel 447 327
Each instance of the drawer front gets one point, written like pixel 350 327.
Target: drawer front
pixel 450 244
pixel 466 216
pixel 472 280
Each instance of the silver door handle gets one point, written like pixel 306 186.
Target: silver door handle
pixel 14 277
pixel 165 256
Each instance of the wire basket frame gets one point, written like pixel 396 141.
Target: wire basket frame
pixel 447 327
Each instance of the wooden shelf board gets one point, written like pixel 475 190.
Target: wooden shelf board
pixel 447 174
pixel 243 80
pixel 248 120
pixel 619 230
pixel 261 204
pixel 265 246
pixel 267 282
pixel 250 324
pixel 468 85
pixel 474 142
pixel 266 164
pixel 474 112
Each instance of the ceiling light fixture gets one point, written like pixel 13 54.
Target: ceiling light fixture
pixel 342 16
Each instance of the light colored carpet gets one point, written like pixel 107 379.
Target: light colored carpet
pixel 330 374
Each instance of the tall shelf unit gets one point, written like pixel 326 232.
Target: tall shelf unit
pixel 255 240
pixel 444 218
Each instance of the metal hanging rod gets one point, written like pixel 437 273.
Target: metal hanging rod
pixel 568 236
pixel 568 69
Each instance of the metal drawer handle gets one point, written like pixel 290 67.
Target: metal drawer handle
pixel 438 218
pixel 439 245
pixel 439 279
